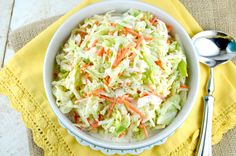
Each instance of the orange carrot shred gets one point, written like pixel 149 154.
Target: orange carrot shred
pixel 159 63
pixel 106 98
pixel 184 86
pixel 153 20
pixel 113 24
pixel 94 43
pixel 86 48
pixel 82 34
pixel 130 106
pixel 87 77
pixel 107 80
pixel 144 129
pixel 140 39
pixel 87 65
pixel 147 38
pixel 120 56
pixel 144 94
pixel 121 134
pixel 169 27
pixel 100 117
pixel 94 124
pixel 97 91
pixel 111 108
pixel 100 52
pixel 108 52
pixel 131 31
pixel 97 23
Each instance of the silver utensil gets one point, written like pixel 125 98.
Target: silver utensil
pixel 213 48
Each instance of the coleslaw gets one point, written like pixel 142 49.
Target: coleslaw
pixel 121 75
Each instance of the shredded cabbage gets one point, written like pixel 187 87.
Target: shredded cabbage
pixel 121 75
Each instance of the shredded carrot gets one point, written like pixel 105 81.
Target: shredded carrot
pixel 169 27
pixel 108 52
pixel 87 77
pixel 113 24
pixel 97 23
pixel 106 98
pixel 147 38
pixel 184 86
pixel 140 39
pixel 111 108
pixel 100 52
pixel 120 56
pixel 144 129
pixel 159 63
pixel 100 117
pixel 131 31
pixel 94 124
pixel 129 99
pixel 97 91
pixel 153 20
pixel 87 65
pixel 144 94
pixel 130 106
pixel 94 43
pixel 107 80
pixel 121 134
pixel 82 34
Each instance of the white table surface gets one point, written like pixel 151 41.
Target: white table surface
pixel 15 14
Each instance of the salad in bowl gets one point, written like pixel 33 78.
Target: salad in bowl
pixel 121 76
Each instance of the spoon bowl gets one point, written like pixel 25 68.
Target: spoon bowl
pixel 214 47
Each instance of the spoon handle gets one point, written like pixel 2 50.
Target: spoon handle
pixel 209 101
pixel 204 144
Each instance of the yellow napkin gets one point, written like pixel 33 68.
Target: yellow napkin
pixel 21 80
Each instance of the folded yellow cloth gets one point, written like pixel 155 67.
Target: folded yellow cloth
pixel 21 80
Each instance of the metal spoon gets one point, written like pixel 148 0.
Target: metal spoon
pixel 213 48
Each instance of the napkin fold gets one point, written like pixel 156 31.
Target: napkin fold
pixel 21 80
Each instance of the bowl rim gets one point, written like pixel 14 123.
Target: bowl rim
pixel 139 144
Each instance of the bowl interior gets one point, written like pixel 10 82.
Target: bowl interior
pixel 62 35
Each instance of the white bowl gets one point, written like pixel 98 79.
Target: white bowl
pixel 62 35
